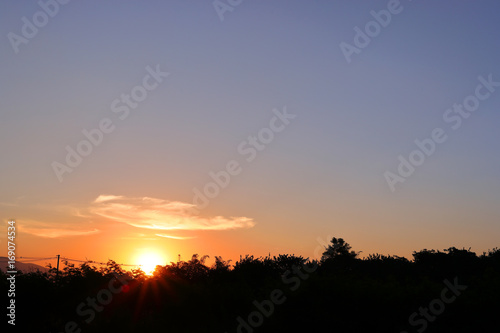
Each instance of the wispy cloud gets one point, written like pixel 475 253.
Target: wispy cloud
pixel 103 198
pixel 174 237
pixel 159 214
pixel 50 231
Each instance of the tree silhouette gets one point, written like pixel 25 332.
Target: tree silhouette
pixel 338 249
pixel 376 293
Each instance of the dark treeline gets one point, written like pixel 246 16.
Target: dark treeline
pixel 454 290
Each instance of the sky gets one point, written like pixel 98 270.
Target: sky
pixel 136 128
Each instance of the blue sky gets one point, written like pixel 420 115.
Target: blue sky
pixel 322 175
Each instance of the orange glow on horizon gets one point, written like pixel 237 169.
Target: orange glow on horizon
pixel 148 259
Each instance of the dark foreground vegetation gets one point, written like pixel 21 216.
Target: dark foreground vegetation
pixel 451 291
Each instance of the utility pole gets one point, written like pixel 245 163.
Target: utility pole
pixel 57 272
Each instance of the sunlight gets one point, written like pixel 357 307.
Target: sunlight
pixel 148 261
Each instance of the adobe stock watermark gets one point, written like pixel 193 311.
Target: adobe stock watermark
pixel 122 107
pixel 373 28
pixel 11 272
pixel 292 279
pixel 436 307
pixel 248 148
pixel 91 305
pixel 30 28
pixel 454 117
pixel 223 6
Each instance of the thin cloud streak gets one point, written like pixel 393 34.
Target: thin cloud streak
pixel 159 214
pixel 174 237
pixel 47 231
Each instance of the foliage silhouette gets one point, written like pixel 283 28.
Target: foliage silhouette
pixel 344 294
pixel 338 249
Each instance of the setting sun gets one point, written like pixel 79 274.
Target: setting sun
pixel 148 261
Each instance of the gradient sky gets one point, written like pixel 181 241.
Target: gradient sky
pixel 321 176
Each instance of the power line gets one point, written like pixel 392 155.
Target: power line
pixel 94 262
pixel 38 258
pixel 30 259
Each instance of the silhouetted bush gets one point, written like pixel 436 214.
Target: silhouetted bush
pixel 340 293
